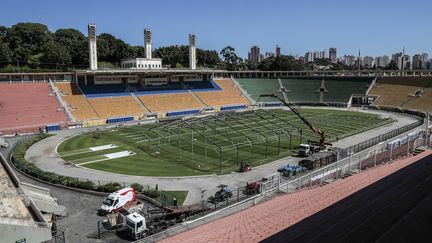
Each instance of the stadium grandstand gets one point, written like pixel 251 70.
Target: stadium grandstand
pixel 404 92
pixel 309 90
pixel 229 95
pixel 170 102
pixel 76 102
pixel 29 107
pixel 111 107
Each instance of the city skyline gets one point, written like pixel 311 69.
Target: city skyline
pixel 235 23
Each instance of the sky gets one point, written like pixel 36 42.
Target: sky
pixel 376 27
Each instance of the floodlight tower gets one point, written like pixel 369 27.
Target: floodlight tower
pixel 192 51
pixel 147 43
pixel 92 46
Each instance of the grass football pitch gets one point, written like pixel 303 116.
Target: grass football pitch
pixel 210 145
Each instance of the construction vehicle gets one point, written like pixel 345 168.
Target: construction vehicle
pixel 245 167
pixel 140 225
pixel 117 200
pixel 223 194
pixel 291 170
pixel 312 146
pixel 254 187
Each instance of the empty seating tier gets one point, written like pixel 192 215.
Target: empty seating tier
pixel 27 107
pixel 104 90
pixel 257 86
pixel 308 89
pixel 405 92
pixel 170 102
pixel 76 101
pixel 229 95
pixel 116 106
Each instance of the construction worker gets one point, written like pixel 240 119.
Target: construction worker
pixel 175 205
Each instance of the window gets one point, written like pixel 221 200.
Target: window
pixel 139 224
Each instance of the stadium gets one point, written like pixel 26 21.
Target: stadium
pixel 190 133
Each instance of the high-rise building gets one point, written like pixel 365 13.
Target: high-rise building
pixel 147 44
pixel 382 61
pixel 269 54
pixel 397 58
pixel 192 51
pixel 278 51
pixel 92 46
pixel 332 54
pixel 419 61
pixel 368 61
pixel 254 54
pixel 349 60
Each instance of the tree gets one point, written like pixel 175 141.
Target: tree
pixel 111 49
pixel 72 40
pixel 230 58
pixel 207 58
pixel 282 63
pixel 56 55
pixel 5 54
pixel 392 66
pixel 28 38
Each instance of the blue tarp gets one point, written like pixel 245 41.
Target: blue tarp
pixel 182 113
pixel 271 104
pixel 233 107
pixel 53 127
pixel 119 119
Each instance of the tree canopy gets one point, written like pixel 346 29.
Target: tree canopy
pixel 31 46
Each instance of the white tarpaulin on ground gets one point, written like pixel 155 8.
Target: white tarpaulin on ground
pixel 103 147
pixel 119 154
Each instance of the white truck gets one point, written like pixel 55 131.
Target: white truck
pixel 136 226
pixel 117 200
pixel 139 226
pixel 304 150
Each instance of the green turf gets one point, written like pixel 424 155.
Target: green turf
pixel 254 137
pixel 167 197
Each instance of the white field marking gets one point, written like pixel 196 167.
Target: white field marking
pixel 141 141
pixel 75 152
pixel 134 135
pixel 103 147
pixel 111 156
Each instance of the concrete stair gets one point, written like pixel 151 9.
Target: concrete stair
pixel 139 101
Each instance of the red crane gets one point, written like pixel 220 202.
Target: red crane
pixel 316 130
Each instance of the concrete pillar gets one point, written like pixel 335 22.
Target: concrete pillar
pixel 192 51
pixel 147 44
pixel 92 46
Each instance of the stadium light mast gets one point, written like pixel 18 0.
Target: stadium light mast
pixel 147 43
pixel 92 46
pixel 192 51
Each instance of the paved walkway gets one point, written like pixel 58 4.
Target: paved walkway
pixel 44 156
pixel 264 220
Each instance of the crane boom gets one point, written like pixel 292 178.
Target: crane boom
pixel 314 129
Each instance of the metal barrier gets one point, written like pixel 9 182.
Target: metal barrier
pixel 378 139
pixel 349 166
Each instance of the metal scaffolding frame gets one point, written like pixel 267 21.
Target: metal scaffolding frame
pixel 227 135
